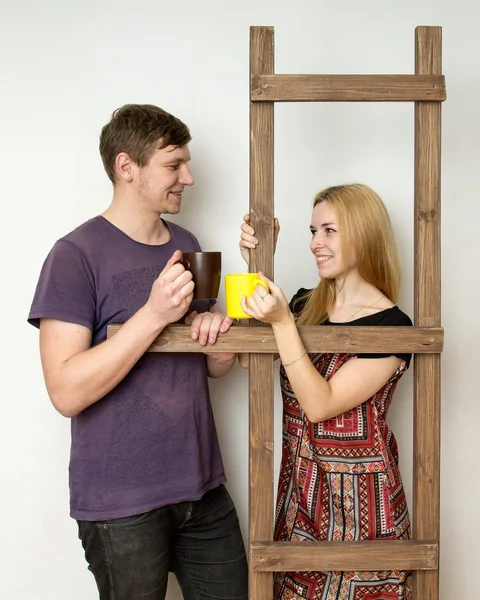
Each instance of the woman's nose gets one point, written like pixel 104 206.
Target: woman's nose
pixel 317 242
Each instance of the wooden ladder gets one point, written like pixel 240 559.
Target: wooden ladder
pixel 427 89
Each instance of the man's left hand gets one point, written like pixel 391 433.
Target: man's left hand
pixel 205 328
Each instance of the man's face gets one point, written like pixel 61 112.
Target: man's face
pixel 162 181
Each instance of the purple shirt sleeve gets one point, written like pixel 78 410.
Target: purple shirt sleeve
pixel 65 289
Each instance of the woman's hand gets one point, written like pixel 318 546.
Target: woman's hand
pixel 268 307
pixel 248 241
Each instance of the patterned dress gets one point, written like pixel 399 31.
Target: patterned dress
pixel 339 480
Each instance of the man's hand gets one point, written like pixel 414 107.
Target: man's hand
pixel 205 328
pixel 172 292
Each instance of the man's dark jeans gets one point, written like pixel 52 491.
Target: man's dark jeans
pixel 199 541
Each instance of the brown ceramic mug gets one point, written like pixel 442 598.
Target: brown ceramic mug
pixel 206 268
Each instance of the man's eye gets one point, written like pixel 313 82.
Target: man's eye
pixel 174 167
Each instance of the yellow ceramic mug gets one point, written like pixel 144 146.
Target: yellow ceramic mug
pixel 236 286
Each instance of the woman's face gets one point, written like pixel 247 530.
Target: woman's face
pixel 326 244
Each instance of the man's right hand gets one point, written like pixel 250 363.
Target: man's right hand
pixel 248 241
pixel 172 291
pixel 78 375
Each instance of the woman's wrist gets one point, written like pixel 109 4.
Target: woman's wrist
pixel 287 322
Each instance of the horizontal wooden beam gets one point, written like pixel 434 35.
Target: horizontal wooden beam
pixel 348 88
pixel 418 340
pixel 344 556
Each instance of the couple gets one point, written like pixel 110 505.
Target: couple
pixel 146 475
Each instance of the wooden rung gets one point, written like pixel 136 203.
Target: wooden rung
pixel 344 556
pixel 348 88
pixel 418 340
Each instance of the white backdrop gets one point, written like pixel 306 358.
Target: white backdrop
pixel 67 65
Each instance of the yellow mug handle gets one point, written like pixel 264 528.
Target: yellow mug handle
pixel 261 282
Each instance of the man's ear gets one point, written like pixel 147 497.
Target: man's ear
pixel 124 167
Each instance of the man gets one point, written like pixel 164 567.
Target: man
pixel 146 475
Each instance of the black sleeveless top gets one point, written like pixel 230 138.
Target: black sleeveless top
pixel 390 317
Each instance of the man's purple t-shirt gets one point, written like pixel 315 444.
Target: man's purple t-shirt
pixel 152 440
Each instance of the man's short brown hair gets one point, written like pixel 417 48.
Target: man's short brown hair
pixel 137 130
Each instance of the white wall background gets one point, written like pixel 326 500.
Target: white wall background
pixel 66 65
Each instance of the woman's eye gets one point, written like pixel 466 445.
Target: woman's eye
pixel 330 230
pixel 313 231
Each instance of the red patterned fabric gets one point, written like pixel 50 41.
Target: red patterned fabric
pixel 339 480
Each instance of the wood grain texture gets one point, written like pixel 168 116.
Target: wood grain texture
pixel 427 289
pixel 421 340
pixel 344 556
pixel 347 88
pixel 261 386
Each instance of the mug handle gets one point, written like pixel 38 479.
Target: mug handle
pixel 261 282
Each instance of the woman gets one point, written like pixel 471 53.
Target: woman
pixel 339 477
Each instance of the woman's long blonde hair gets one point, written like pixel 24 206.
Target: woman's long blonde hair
pixel 367 240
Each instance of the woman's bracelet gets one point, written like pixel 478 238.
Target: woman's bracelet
pixel 294 361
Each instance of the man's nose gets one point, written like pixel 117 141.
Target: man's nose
pixel 186 177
